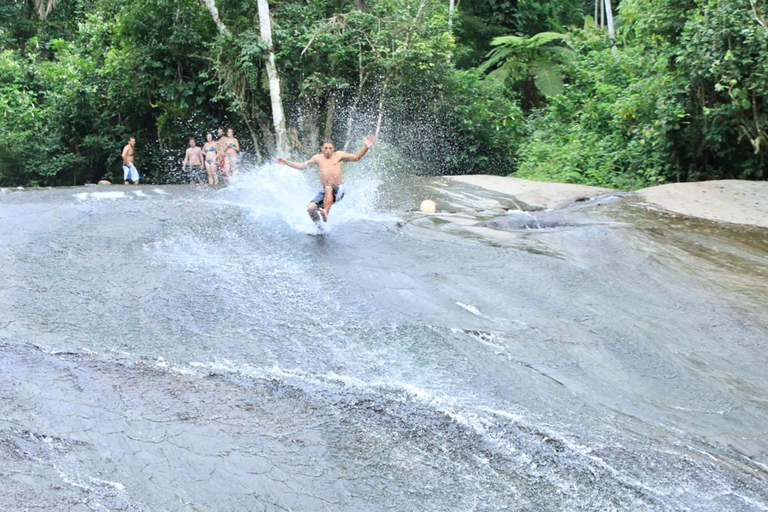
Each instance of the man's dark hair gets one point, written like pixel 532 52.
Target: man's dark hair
pixel 328 141
pixel 192 138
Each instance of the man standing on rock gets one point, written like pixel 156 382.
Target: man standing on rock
pixel 129 170
pixel 329 162
pixel 194 159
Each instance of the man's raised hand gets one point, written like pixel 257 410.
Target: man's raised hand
pixel 368 141
pixel 281 160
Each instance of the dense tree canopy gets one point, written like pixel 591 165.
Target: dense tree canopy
pixel 679 94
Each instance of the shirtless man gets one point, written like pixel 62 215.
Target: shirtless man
pixel 233 147
pixel 329 161
pixel 221 151
pixel 129 170
pixel 194 158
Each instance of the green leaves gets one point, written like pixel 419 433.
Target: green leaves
pixel 528 59
pixel 547 77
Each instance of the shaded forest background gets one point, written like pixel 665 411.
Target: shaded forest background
pixel 539 89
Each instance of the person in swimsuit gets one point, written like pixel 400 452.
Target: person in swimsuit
pixel 329 162
pixel 221 150
pixel 233 146
pixel 129 170
pixel 209 150
pixel 194 159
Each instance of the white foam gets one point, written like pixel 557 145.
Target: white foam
pixel 703 411
pixel 80 351
pixel 278 191
pixel 139 193
pixel 160 191
pixel 82 196
pixel 702 452
pixel 107 195
pixel 106 483
pixel 472 309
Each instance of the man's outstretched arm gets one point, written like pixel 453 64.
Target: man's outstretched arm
pixel 367 143
pixel 295 165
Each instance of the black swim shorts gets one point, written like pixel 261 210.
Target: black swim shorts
pixel 338 195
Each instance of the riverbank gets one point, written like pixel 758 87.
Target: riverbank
pixel 540 194
pixel 731 201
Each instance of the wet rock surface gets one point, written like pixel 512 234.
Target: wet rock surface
pixel 175 348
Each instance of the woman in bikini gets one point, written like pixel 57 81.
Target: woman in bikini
pixel 233 146
pixel 209 150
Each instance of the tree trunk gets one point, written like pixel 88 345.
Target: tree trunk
pixel 609 19
pixel 450 16
pixel 211 6
pixel 328 135
pixel 278 118
pixel 602 14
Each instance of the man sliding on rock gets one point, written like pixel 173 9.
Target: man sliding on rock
pixel 329 161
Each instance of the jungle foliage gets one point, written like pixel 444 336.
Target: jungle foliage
pixel 509 86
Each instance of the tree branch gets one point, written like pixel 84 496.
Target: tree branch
pixel 211 6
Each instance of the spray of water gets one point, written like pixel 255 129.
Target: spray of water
pixel 277 192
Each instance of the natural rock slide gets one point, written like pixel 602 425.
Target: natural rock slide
pixel 525 347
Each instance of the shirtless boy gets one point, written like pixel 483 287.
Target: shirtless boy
pixel 194 159
pixel 329 161
pixel 129 170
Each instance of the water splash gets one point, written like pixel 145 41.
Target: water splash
pixel 274 191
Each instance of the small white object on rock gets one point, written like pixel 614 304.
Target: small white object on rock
pixel 428 206
pixel 104 182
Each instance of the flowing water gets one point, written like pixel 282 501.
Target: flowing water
pixel 185 348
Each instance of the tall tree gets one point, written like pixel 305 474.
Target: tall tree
pixel 278 117
pixel 609 19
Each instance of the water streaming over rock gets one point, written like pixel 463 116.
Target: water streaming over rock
pixel 186 348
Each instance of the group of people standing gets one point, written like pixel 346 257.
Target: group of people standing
pixel 216 158
pixel 220 157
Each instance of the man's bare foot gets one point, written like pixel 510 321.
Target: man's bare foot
pixel 323 214
pixel 125 183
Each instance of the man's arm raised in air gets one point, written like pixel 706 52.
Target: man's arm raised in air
pixel 367 143
pixel 295 165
